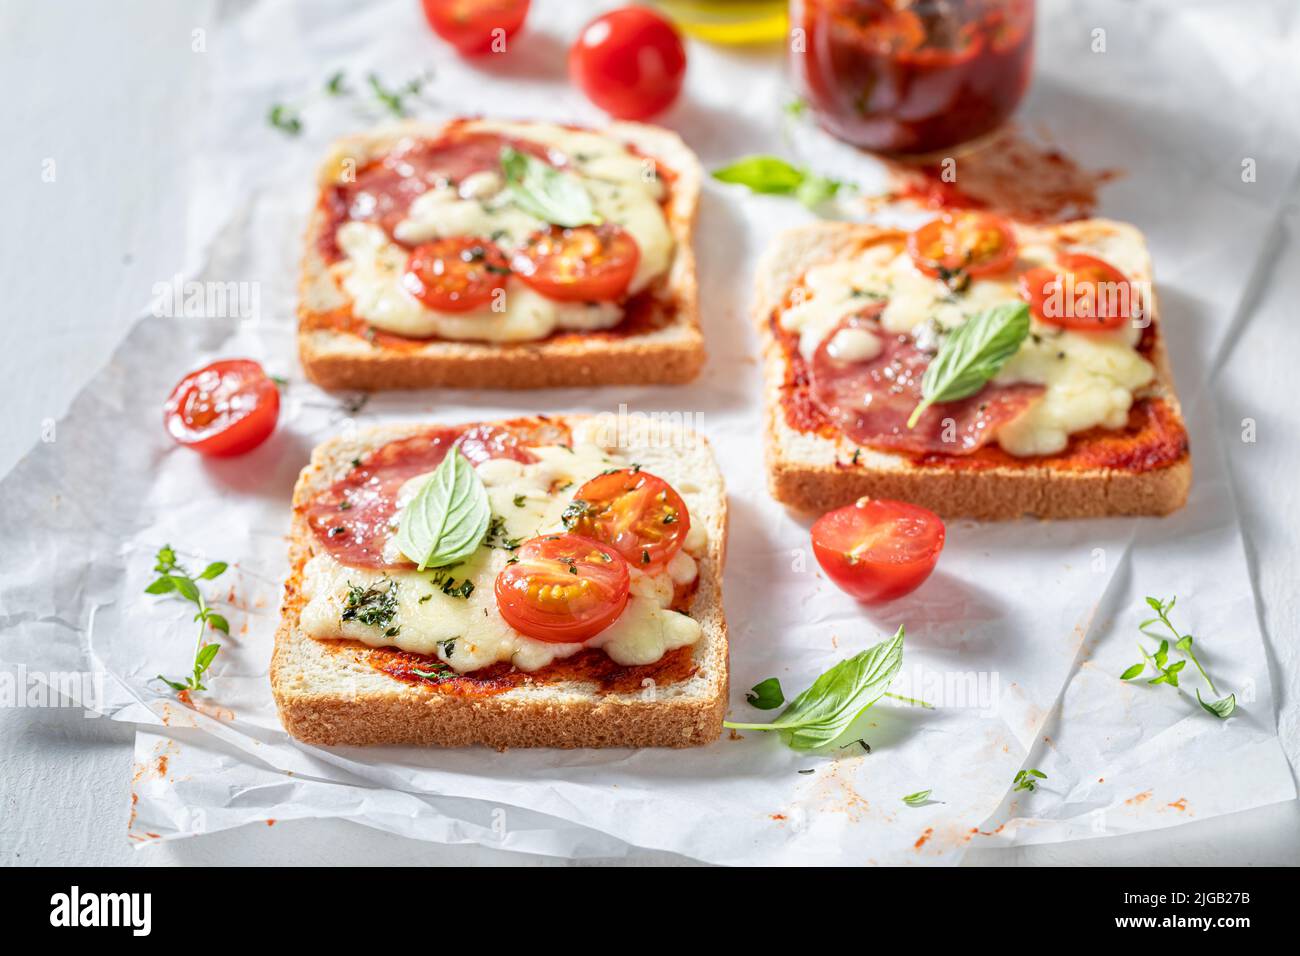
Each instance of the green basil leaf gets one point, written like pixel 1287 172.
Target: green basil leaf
pixel 766 695
pixel 446 520
pixel 826 709
pixel 775 177
pixel 762 174
pixel 1133 671
pixel 1222 709
pixel 161 586
pixel 972 354
pixel 217 621
pixel 543 191
pixel 918 799
pixel 815 190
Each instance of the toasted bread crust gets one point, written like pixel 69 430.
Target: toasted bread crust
pixel 815 473
pixel 330 697
pixel 669 355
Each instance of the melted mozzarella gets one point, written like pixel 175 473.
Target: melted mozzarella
pixel 468 633
pixel 623 190
pixel 372 276
pixel 1088 377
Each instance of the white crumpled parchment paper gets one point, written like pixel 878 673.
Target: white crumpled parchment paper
pixel 1017 639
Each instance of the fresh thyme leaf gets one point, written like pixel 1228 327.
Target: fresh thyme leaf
pixel 175 579
pixel 918 799
pixel 1133 671
pixel 972 354
pixel 285 119
pixel 766 694
pixel 1182 642
pixel 213 570
pixel 1223 709
pixel 335 86
pixel 1024 780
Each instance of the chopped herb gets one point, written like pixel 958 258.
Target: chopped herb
pixel 285 119
pixel 576 510
pixel 519 500
pixel 496 535
pixel 374 605
pixel 336 531
pixel 918 799
pixel 335 86
pixel 425 597
pixel 645 556
pixel 448 646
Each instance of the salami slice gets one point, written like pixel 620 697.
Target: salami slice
pixel 353 519
pixel 384 189
pixel 870 401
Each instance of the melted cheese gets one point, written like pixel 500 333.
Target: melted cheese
pixel 623 190
pixel 372 276
pixel 1088 377
pixel 468 633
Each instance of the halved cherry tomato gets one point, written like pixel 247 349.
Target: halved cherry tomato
pixel 470 25
pixel 878 550
pixel 226 408
pixel 563 588
pixel 639 514
pixel 630 62
pixel 456 275
pixel 962 244
pixel 1087 293
pixel 585 263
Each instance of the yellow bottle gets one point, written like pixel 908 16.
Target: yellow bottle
pixel 728 21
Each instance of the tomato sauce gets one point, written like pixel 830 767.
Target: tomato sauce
pixel 912 78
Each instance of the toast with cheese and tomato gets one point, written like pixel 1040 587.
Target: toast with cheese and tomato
pixel 488 254
pixel 978 367
pixel 538 582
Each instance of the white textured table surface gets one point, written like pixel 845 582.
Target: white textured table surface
pixel 110 100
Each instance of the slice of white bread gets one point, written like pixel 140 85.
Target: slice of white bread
pixel 815 471
pixel 669 351
pixel 329 693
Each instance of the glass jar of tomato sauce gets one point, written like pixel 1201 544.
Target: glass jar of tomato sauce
pixel 911 76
